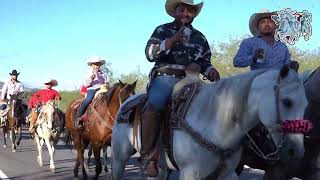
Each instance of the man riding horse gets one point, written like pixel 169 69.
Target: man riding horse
pixel 262 51
pixel 13 86
pixel 40 98
pixel 172 47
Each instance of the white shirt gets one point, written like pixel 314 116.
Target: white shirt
pixel 11 87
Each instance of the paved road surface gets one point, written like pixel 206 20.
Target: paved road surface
pixel 23 165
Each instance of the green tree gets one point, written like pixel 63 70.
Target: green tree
pixel 136 75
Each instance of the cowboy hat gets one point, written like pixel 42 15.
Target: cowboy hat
pixel 171 6
pixel 14 72
pixel 51 82
pixel 254 19
pixel 95 59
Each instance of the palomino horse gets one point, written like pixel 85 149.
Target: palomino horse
pixel 98 123
pixel 12 120
pixel 50 125
pixel 307 168
pixel 220 114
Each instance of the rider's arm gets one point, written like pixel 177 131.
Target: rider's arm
pixel 288 57
pixel 21 88
pixel 205 58
pixel 244 55
pixel 4 91
pixel 88 79
pixel 155 48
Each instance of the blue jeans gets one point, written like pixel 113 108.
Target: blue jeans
pixel 86 102
pixel 160 91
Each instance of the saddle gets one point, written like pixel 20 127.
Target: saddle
pixel 131 113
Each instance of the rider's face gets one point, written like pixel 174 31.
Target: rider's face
pixel 266 26
pixel 14 77
pixel 95 66
pixel 185 14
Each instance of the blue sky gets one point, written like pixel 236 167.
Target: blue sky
pixel 44 38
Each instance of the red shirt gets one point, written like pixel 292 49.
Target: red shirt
pixel 43 96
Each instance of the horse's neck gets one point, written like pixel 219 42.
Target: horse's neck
pixel 220 113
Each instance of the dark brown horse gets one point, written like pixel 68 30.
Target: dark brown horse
pixel 307 168
pixel 99 119
pixel 14 120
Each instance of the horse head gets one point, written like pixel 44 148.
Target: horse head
pixel 125 90
pixel 15 105
pixel 47 114
pixel 281 110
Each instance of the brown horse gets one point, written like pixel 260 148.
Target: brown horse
pixel 14 120
pixel 98 122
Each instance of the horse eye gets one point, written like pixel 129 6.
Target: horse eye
pixel 287 103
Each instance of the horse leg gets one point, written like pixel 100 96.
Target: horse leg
pixel 96 152
pixel 39 145
pixel 19 136
pixel 80 159
pixel 51 153
pixel 105 157
pixel 13 140
pixel 4 138
pixel 121 149
pixel 89 154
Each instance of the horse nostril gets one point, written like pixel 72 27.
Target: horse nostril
pixel 291 152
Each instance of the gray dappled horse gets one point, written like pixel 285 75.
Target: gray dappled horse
pixel 222 113
pixel 307 168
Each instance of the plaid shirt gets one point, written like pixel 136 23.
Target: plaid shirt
pixel 197 49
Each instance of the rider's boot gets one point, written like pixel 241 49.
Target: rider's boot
pixel 151 120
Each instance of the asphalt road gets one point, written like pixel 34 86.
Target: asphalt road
pixel 22 164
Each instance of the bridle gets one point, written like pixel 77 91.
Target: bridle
pixel 286 126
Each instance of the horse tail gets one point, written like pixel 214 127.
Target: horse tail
pixel 68 138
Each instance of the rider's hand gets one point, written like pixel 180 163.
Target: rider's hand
pixel 258 54
pixel 93 76
pixel 213 75
pixel 179 37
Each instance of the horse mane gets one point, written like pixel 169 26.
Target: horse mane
pixel 109 94
pixel 232 94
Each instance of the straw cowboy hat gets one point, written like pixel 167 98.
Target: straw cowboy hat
pixel 14 72
pixel 95 59
pixel 51 82
pixel 254 19
pixel 171 6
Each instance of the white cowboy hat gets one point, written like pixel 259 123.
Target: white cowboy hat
pixel 171 6
pixel 95 59
pixel 253 22
pixel 52 82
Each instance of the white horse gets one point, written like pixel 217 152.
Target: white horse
pixel 222 113
pixel 50 125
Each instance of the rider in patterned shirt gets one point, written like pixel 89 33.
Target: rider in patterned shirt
pixel 172 47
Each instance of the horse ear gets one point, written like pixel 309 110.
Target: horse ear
pixel 133 85
pixel 284 71
pixel 120 82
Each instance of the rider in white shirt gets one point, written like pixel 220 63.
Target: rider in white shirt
pixel 13 86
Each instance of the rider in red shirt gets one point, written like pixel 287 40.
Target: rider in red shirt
pixel 41 97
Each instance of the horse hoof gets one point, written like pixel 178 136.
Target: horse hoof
pixel 53 170
pixel 39 162
pixel 18 143
pixel 4 146
pixel 86 167
pixel 106 169
pixel 13 150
